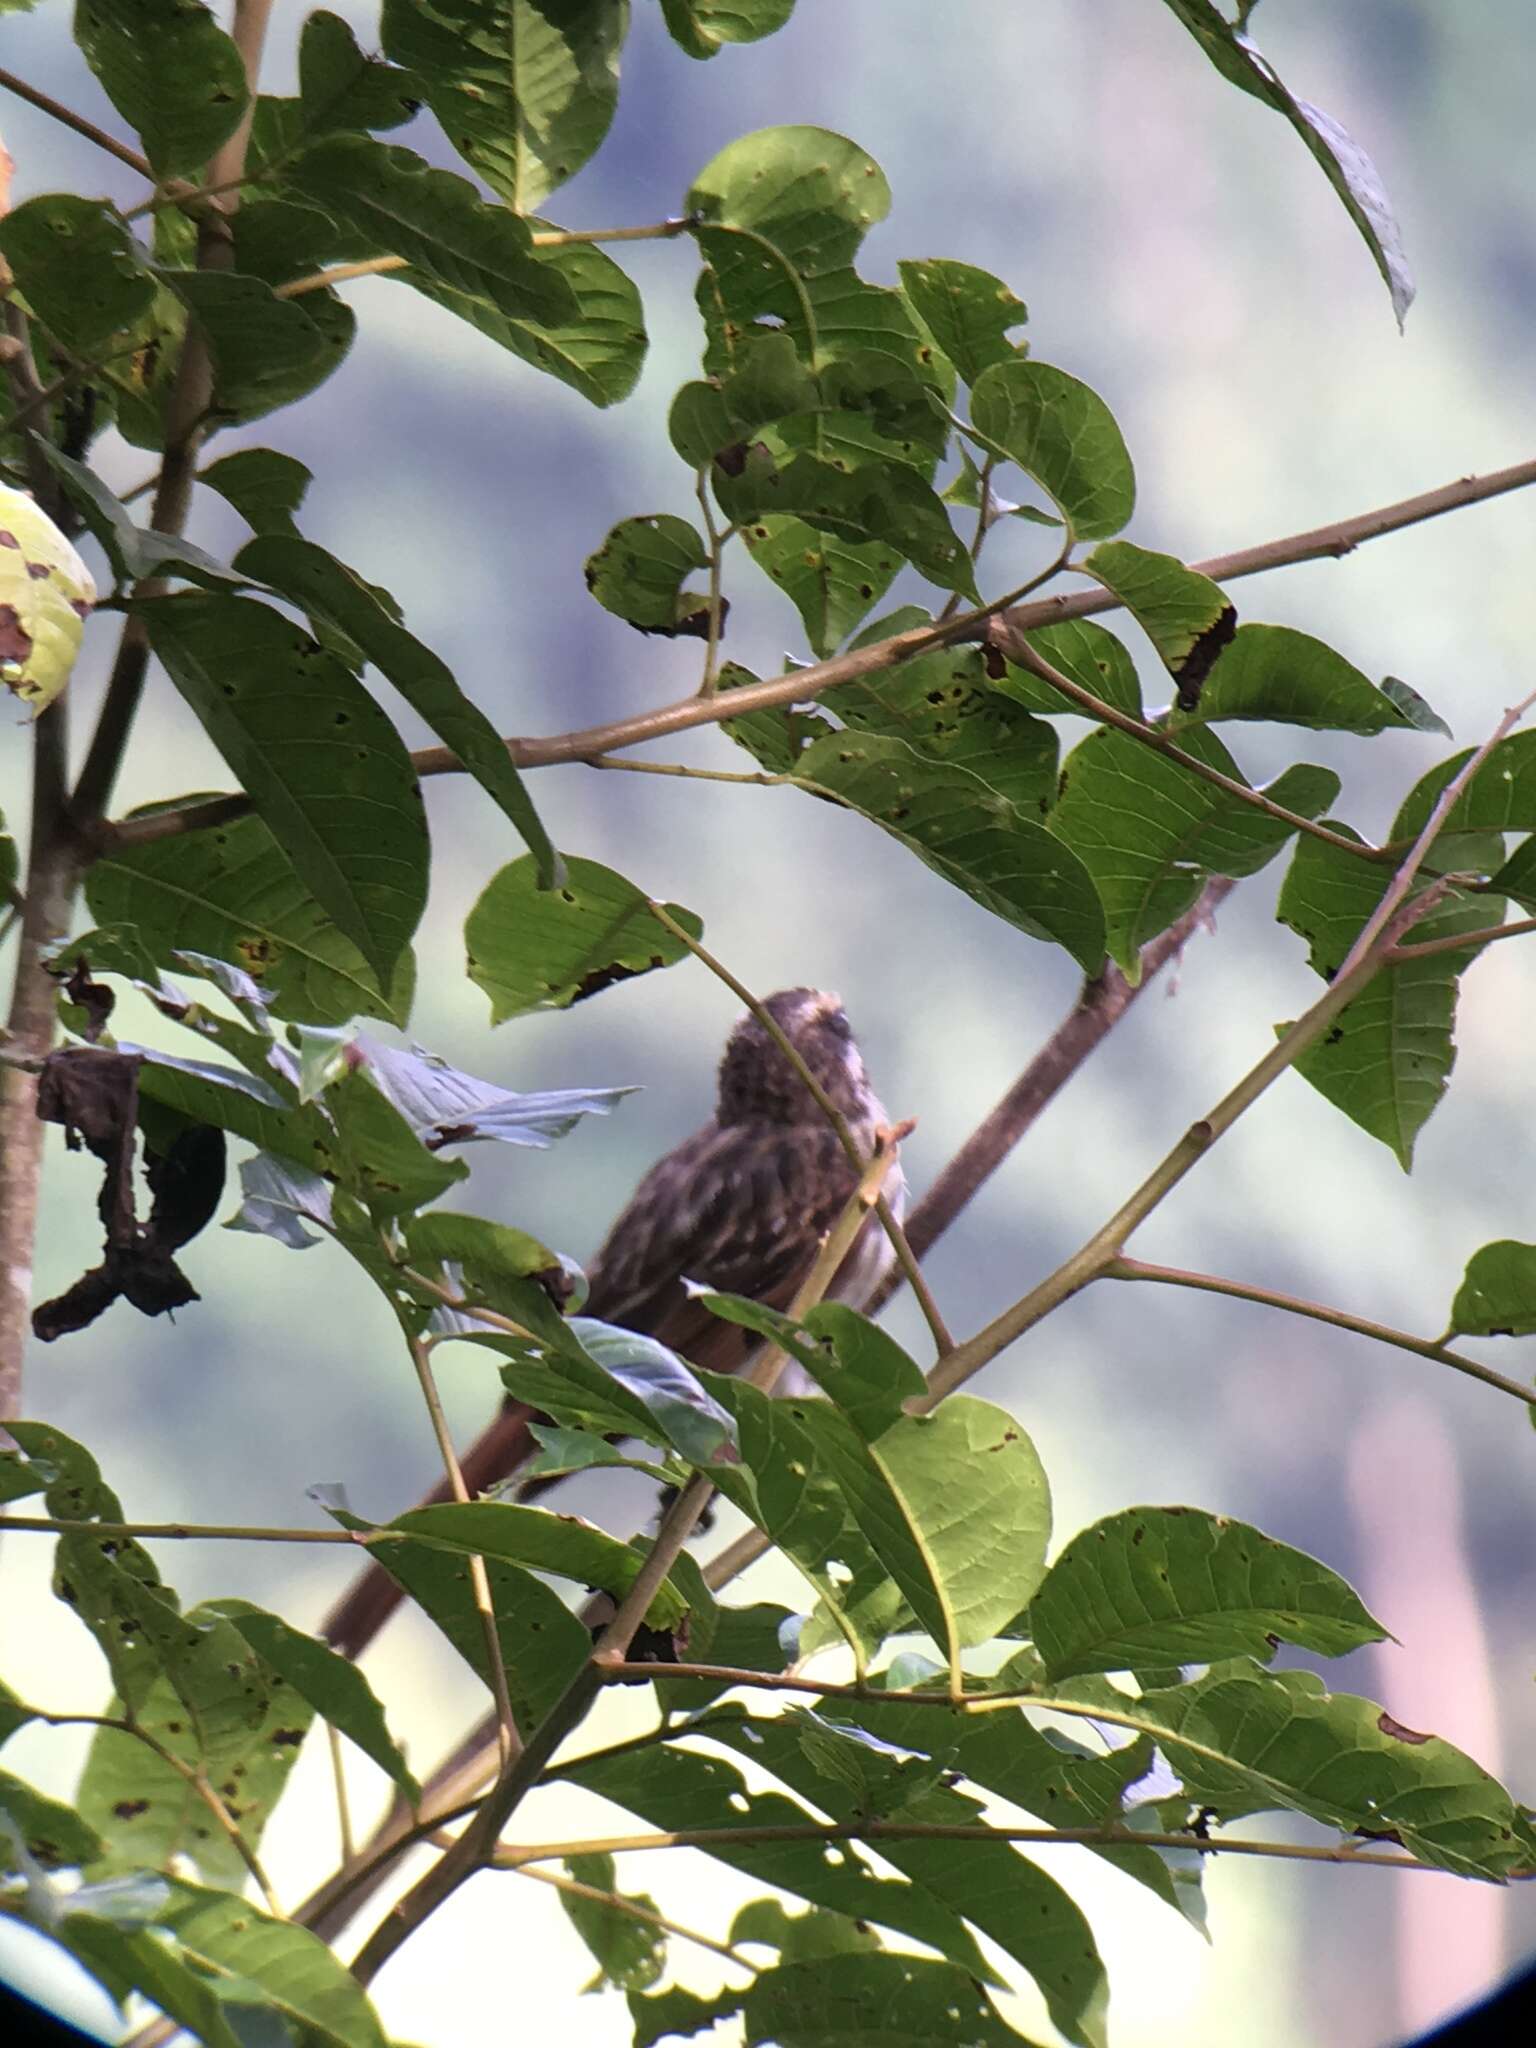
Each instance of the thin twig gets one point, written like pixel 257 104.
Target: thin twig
pixel 631 1908
pixel 70 119
pixel 876 1831
pixel 1426 949
pixel 1444 804
pixel 1125 1268
pixel 479 1575
pixel 803 685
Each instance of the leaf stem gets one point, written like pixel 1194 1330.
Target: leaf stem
pixel 1023 655
pixel 479 1576
pixel 1426 949
pixel 876 1831
pixel 1124 1268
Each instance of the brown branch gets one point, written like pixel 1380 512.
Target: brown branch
pixel 1103 1002
pixel 803 685
pixel 59 112
pixel 186 422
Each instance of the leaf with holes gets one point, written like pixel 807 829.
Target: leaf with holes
pixel 183 101
pixel 638 574
pixel 1061 434
pixel 1497 1295
pixel 961 828
pixel 533 949
pixel 1149 830
pixel 969 312
pixel 1387 1060
pixel 1175 1585
pixel 525 93
pixel 79 268
pixel 324 767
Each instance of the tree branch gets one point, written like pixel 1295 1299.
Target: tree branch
pixel 70 119
pixel 802 685
pixel 1125 1268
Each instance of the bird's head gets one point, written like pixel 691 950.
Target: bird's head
pixel 757 1083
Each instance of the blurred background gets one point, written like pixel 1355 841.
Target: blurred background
pixel 1180 251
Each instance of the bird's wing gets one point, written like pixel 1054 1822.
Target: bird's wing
pixel 739 1207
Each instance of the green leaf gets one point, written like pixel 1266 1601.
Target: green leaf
pixel 266 488
pixel 1088 655
pixel 1149 831
pixel 182 101
pixel 831 582
pixel 961 828
pixel 700 27
pixel 811 193
pixel 631 1951
pixel 900 2001
pixel 1045 1773
pixel 599 352
pixel 673 1787
pixel 230 892
pixel 220 1711
pixel 1344 163
pixel 994 1887
pixel 942 705
pixel 969 312
pixel 532 949
pixel 134 551
pixel 341 87
pixel 524 92
pixel 1061 434
pixel 1387 1061
pixel 1420 715
pixel 674 1398
pixel 956 1506
pixel 638 573
pixel 801 1937
pixel 279 241
pixel 51 1831
pixel 1186 616
pixel 331 1685
pixel 266 351
pixel 1497 1296
pixel 445 1106
pixel 1245 1740
pixel 324 767
pixel 533 1537
pixel 775 739
pixel 885 502
pixel 109 1589
pixel 1500 797
pixel 335 595
pixel 862 1371
pixel 82 272
pixel 1274 672
pixel 1177 1586
pixel 456 245
pixel 542 1643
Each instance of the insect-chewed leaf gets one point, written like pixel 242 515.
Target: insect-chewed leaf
pixel 1274 672
pixel 960 827
pixel 79 267
pixel 1497 1295
pixel 46 594
pixel 525 95
pixel 1246 1740
pixel 533 949
pixel 324 767
pixel 1061 434
pixel 1186 616
pixel 969 312
pixel 1388 1058
pixel 1177 1586
pixel 185 102
pixel 1149 831
pixel 638 572
pixel 230 893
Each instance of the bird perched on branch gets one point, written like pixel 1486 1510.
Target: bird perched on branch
pixel 742 1206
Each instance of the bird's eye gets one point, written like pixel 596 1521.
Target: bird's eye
pixel 837 1023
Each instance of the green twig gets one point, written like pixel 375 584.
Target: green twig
pixel 1124 1268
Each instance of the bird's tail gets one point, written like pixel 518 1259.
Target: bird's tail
pixel 373 1596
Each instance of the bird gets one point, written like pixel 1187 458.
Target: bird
pixel 742 1206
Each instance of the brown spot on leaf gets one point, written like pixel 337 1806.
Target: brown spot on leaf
pixel 1397 1731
